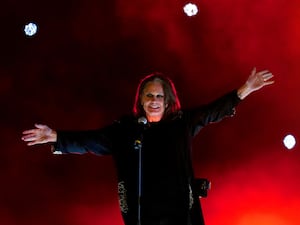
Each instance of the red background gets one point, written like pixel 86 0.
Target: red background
pixel 81 69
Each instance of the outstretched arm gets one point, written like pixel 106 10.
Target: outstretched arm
pixel 40 135
pixel 79 142
pixel 256 81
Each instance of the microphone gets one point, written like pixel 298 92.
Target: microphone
pixel 142 121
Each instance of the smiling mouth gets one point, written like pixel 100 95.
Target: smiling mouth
pixel 154 107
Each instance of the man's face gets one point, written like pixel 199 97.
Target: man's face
pixel 153 101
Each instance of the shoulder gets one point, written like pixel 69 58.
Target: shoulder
pixel 125 119
pixel 175 115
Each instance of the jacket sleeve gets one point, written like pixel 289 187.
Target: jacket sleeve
pixel 99 142
pixel 214 111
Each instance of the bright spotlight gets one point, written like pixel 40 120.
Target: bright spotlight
pixel 289 141
pixel 30 29
pixel 190 9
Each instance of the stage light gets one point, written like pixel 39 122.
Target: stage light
pixel 190 9
pixel 30 29
pixel 289 141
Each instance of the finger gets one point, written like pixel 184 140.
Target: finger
pixel 253 71
pixel 266 79
pixel 29 138
pixel 263 72
pixel 35 143
pixel 40 126
pixel 269 82
pixel 31 143
pixel 29 131
pixel 267 76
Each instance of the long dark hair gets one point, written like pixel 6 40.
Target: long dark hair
pixel 170 94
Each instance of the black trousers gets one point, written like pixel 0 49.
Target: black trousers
pixel 181 216
pixel 167 221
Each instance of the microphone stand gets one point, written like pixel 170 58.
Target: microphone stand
pixel 138 146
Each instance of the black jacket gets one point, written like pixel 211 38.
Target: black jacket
pixel 167 174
